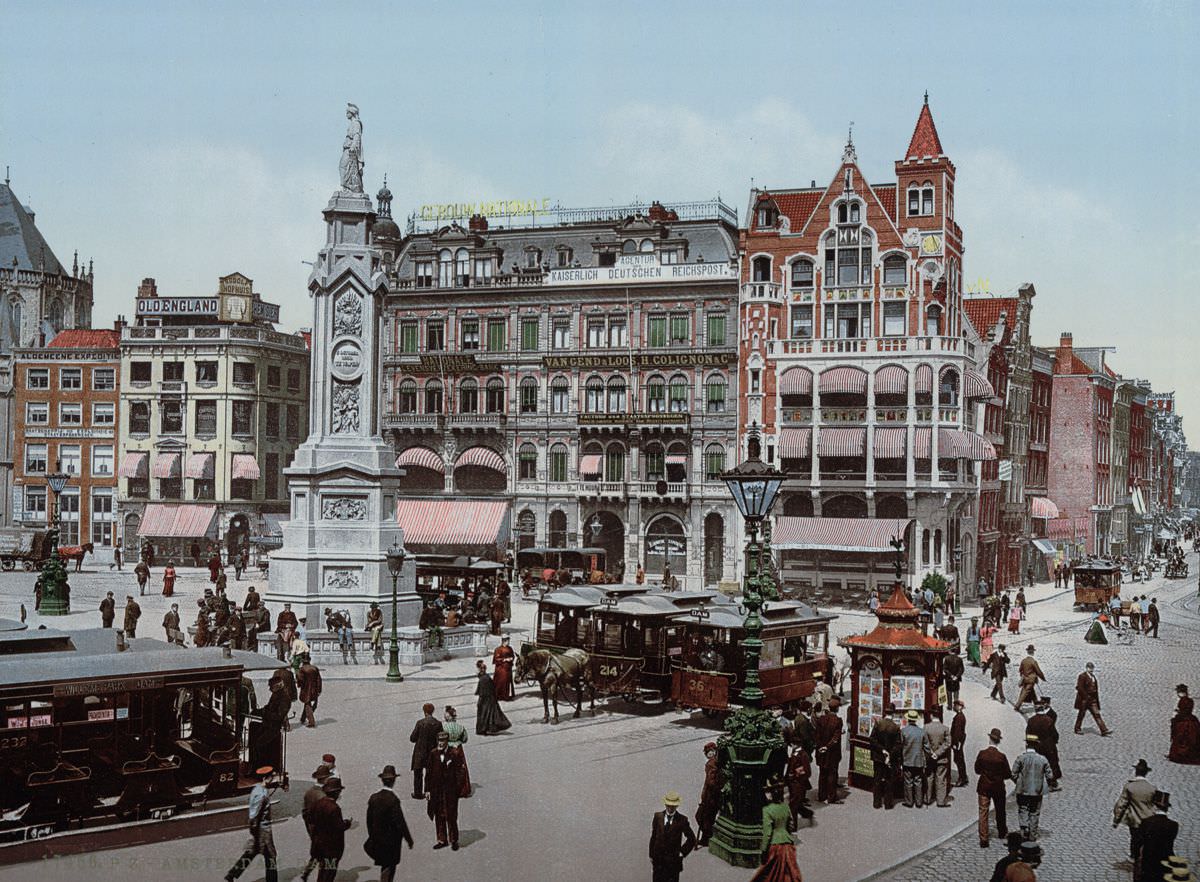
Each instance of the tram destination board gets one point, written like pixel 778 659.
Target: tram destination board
pixel 104 687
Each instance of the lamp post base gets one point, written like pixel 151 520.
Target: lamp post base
pixel 393 674
pixel 739 845
pixel 54 607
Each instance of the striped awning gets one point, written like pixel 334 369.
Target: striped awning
pixel 484 457
pixel 869 535
pixel 923 443
pixel 478 527
pixel 976 385
pixel 1041 507
pixel 167 465
pixel 589 464
pixel 1066 528
pixel 795 381
pixel 958 444
pixel 890 443
pixel 1139 502
pixel 201 466
pixel 677 459
pixel 847 380
pixel 924 378
pixel 842 442
pixel 245 467
pixel 167 521
pixel 891 380
pixel 134 465
pixel 421 457
pixel 796 443
pixel 1045 546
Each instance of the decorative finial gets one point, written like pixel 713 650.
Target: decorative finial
pixel 926 97
pixel 849 155
pixel 75 264
pixel 6 175
pixel 898 544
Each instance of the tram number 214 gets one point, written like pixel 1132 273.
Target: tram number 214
pixel 39 831
pixel 610 671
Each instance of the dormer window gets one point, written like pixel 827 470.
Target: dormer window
pixel 767 216
pixel 462 268
pixel 564 257
pixel 533 258
pixel 445 268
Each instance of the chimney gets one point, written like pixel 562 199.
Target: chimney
pixel 657 211
pixel 119 324
pixel 147 288
pixel 477 223
pixel 1065 341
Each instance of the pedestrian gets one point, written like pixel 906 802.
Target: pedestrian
pixel 822 691
pixel 108 610
pixel 502 666
pixel 1005 605
pixel 1157 841
pixel 937 751
pixel 328 830
pixel 671 840
pixel 998 669
pixel 1087 699
pixel 222 583
pixel 949 632
pixel 1042 725
pixel 169 579
pixel 458 737
pixel 778 848
pixel 828 737
pixel 142 572
pixel 261 841
pixel 952 674
pixel 386 827
pixel 424 738
pixel 375 629
pixel 1135 615
pixel 973 638
pixel 1144 605
pixel 958 740
pixel 886 753
pixel 798 777
pixel 985 641
pixel 1021 870
pixel 171 625
pixel 1134 806
pixel 236 625
pixel 116 557
pixel 1114 610
pixel 285 629
pixel 1029 576
pixel 489 719
pixel 1030 672
pixel 1152 617
pixel 1014 618
pixel 1014 855
pixel 912 746
pixel 312 796
pixel 445 779
pixel 214 566
pixel 991 765
pixel 133 612
pixel 241 563
pixel 308 680
pixel 1185 730
pixel 640 575
pixel 873 602
pixel 1031 772
pixel 710 794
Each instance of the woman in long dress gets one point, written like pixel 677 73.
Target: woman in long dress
pixel 778 848
pixel 169 579
pixel 973 642
pixel 985 642
pixel 489 719
pixel 458 737
pixel 1015 614
pixel 502 670
pixel 1185 730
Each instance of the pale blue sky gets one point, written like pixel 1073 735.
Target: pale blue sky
pixel 186 141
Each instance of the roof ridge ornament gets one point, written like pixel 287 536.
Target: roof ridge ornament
pixel 848 154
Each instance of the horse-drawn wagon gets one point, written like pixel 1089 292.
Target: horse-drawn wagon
pixel 27 549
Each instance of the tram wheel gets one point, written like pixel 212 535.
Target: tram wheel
pixel 711 713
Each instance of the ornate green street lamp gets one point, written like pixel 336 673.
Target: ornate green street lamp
pixel 752 745
pixel 396 556
pixel 56 599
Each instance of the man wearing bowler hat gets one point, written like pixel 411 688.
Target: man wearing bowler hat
pixel 261 840
pixel 386 827
pixel 1135 805
pixel 1030 672
pixel 671 840
pixel 445 779
pixel 991 765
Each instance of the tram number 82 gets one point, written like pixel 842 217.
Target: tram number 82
pixel 40 831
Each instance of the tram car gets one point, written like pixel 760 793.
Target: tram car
pixel 708 671
pixel 94 731
pixel 1096 583
pixel 564 617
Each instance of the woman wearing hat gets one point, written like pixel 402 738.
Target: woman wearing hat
pixel 710 794
pixel 502 663
pixel 778 848
pixel 489 719
pixel 1185 730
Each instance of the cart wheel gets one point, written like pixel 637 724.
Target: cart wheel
pixel 8 565
pixel 28 565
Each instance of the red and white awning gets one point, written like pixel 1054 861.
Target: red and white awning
pixel 484 457
pixel 1067 528
pixel 589 464
pixel 976 385
pixel 867 535
pixel 958 444
pixel 135 465
pixel 245 467
pixel 890 443
pixel 842 442
pixel 847 380
pixel 201 466
pixel 677 459
pixel 795 381
pixel 1041 507
pixel 422 458
pixel 891 380
pixel 454 526
pixel 167 465
pixel 795 443
pixel 924 380
pixel 167 521
pixel 923 443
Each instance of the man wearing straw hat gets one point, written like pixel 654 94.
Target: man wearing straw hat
pixel 386 827
pixel 671 840
pixel 261 840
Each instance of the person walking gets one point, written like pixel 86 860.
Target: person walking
pixel 328 830
pixel 386 827
pixel 169 579
pixel 1087 699
pixel 952 674
pixel 1152 616
pixel 133 612
pixel 312 796
pixel 958 740
pixel 240 562
pixel 424 740
pixel 912 747
pixel 117 556
pixel 1157 842
pixel 142 573
pixel 1185 730
pixel 1135 805
pixel 992 768
pixel 1030 672
pixel 1015 614
pixel 778 848
pixel 108 610
pixel 308 681
pixel 489 719
pixel 937 751
pixel 502 670
pixel 1031 772
pixel 828 738
pixel 458 737
pixel 171 625
pixel 998 670
pixel 1042 725
pixel 986 635
pixel 444 779
pixel 798 778
pixel 671 840
pixel 886 753
pixel 710 794
pixel 261 840
pixel 214 566
pixel 973 638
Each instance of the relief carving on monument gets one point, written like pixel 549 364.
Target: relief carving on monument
pixel 343 508
pixel 345 408
pixel 342 580
pixel 347 315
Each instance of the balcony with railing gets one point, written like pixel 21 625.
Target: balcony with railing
pixel 680 490
pixel 477 421
pixel 211 334
pixel 869 345
pixel 761 291
pixel 602 489
pixel 414 421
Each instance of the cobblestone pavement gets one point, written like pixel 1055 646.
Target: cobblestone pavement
pixel 1137 697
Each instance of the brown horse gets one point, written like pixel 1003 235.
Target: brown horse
pixel 76 553
pixel 553 670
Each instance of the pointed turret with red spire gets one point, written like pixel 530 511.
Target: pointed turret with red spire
pixel 925 141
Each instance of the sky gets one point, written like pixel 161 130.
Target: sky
pixel 186 141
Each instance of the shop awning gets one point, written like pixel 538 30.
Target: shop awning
pixel 167 465
pixel 976 385
pixel 676 459
pixel 1045 546
pixel 476 527
pixel 959 444
pixel 924 380
pixel 484 457
pixel 134 465
pixel 891 380
pixel 201 466
pixel 848 380
pixel 589 464
pixel 167 521
pixel 868 535
pixel 1041 507
pixel 842 442
pixel 273 524
pixel 421 457
pixel 923 443
pixel 795 443
pixel 1065 528
pixel 245 467
pixel 890 443
pixel 1139 503
pixel 795 381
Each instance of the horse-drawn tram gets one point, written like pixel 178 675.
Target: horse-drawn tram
pixel 104 733
pixel 564 616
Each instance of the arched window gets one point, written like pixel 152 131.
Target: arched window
pixel 714 462
pixel 406 400
pixel 560 395
pixel 614 462
pixel 16 315
pixel 594 395
pixel 848 252
pixel 55 314
pixel 616 395
pixel 629 247
pixel 558 528
pixel 445 269
pixel 558 463
pixel 666 546
pixel 468 396
pixel 656 395
pixel 714 394
pixel 647 247
pixel 933 321
pixel 948 388
pixel 526 529
pixel 802 273
pixel 914 200
pixel 927 199
pixel 761 268
pixel 894 273
pixel 81 314
pixel 462 268
pixel 529 395
pixel 495 395
pixel 678 394
pixel 433 397
pixel 937 548
pixel 527 463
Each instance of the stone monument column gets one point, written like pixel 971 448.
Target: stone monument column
pixel 343 480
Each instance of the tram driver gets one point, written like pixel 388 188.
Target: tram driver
pixel 711 657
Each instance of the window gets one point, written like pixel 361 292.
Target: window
pixel 406 399
pixel 616 395
pixel 716 329
pixel 529 334
pixel 558 462
pixel 170 416
pixel 560 333
pixel 668 256
pixel 468 396
pixel 139 417
pixel 70 378
pixel 243 417
pixel 204 488
pixel 104 379
pixel 594 395
pixel 206 372
pixel 423 274
pixel 656 395
pixel 595 333
pixel 656 330
pixel 714 395
pixel 35 503
pixel 70 458
pixel 271 476
pixel 893 319
pixel 241 488
pixel 714 462
pixel 618 333
pixel 656 463
pixel 497 335
pixel 139 372
pixel 435 335
pixel 408 337
pixel 483 271
pixel 755 381
pixel 445 268
pixel 760 269
pixel 15 317
pixel 848 320
pixel 104 413
pixel 527 462
pixel 933 322
pixel 646 247
pixel 614 463
pixel 273 376
pixel 462 268
pixel 102 460
pixel 37 413
pixel 894 270
pixel 802 322
pixel 243 373
pixel 629 247
pixel 529 395
pixel 206 419
pixel 679 329
pixel 38 378
pixel 533 258
pixel 68 515
pixel 271 429
pixel 802 274
pixel 470 335
pixel 35 459
pixel 679 394
pixel 293 422
pixel 914 200
pixel 433 397
pixel 564 257
pixel 927 199
pixel 560 395
pixel 948 388
pixel 495 395
pixel 172 371
pixel 70 414
pixel 294 378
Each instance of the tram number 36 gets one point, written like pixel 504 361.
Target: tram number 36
pixel 41 831
pixel 609 671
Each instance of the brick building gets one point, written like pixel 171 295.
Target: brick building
pixel 66 414
pixel 857 362
pixel 1140 456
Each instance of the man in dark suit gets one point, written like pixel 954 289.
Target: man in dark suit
pixel 386 827
pixel 108 611
pixel 885 758
pixel 308 680
pixel 671 840
pixel 1031 673
pixel 958 740
pixel 328 831
pixel 993 770
pixel 1087 699
pixel 445 778
pixel 1042 726
pixel 828 736
pixel 424 738
pixel 1157 834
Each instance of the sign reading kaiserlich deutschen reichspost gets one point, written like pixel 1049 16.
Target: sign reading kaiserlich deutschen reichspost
pixel 621 275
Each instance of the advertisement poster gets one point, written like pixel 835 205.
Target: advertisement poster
pixel 908 692
pixel 870 699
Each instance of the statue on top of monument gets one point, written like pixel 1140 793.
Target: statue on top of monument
pixel 351 166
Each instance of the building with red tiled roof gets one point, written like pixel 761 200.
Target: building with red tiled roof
pixel 86 338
